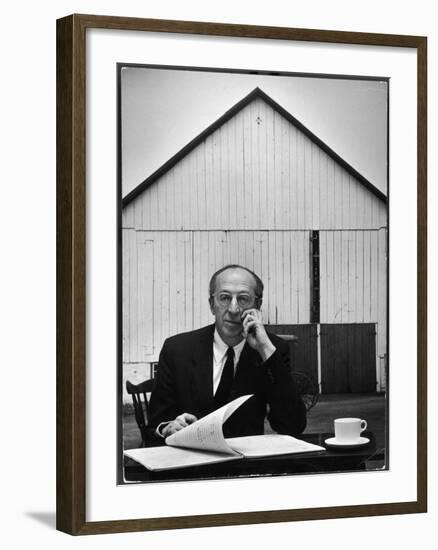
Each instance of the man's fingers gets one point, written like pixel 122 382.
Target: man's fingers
pixel 190 418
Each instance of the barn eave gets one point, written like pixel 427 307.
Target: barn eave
pixel 256 93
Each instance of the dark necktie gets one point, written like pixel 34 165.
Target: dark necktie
pixel 222 394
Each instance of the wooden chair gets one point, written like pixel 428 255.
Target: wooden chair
pixel 139 394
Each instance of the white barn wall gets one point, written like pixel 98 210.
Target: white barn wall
pixel 250 193
pixel 257 171
pixel 166 276
pixel 353 278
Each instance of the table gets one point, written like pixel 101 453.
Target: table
pixel 330 460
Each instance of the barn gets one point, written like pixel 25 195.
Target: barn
pixel 258 188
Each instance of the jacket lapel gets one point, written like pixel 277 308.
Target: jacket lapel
pixel 202 370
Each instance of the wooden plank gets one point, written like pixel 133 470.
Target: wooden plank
pixel 218 198
pixel 330 270
pixel 172 274
pixel 256 263
pixel 279 280
pixel 277 187
pixel 323 276
pixel 337 277
pixel 264 263
pixel 206 272
pixel 352 208
pixel 145 295
pixel 126 312
pixel 161 219
pixel 285 187
pixel 220 245
pixel 138 215
pixel 157 290
pixel 352 306
pixel 247 170
pixel 297 289
pixel 300 181
pixel 180 281
pixel 133 305
pixel 145 200
pixel 202 202
pixel 347 213
pixel 154 206
pixel 315 187
pixel 359 277
pixel 240 172
pixel 233 247
pixel 303 255
pixel 196 275
pixel 271 278
pixel 323 190
pixel 233 179
pixel 382 294
pixel 255 165
pixel 360 193
pixel 308 185
pixel 210 197
pixel 367 200
pixel 366 276
pixel 165 285
pixel 270 169
pixel 344 276
pixel 262 164
pixel 188 287
pixel 293 185
pixel 189 185
pixel 285 316
pixel 374 259
pixel 128 217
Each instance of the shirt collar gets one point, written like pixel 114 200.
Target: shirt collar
pixel 220 348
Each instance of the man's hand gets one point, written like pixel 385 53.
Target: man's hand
pixel 180 422
pixel 255 334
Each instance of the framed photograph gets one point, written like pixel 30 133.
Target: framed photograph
pixel 241 250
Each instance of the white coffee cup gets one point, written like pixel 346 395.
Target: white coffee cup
pixel 349 429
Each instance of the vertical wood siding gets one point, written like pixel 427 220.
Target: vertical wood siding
pixel 166 276
pixel 257 171
pixel 250 193
pixel 353 275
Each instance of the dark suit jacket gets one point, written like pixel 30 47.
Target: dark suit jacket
pixel 185 384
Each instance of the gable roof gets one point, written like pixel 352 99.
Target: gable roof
pixel 256 93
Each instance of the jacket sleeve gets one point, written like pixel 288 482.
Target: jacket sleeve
pixel 163 405
pixel 287 413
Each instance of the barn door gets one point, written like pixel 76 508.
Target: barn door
pixel 348 358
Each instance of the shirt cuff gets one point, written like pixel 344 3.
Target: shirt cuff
pixel 159 429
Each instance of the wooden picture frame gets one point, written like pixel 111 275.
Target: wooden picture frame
pixel 71 272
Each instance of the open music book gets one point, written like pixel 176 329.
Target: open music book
pixel 203 442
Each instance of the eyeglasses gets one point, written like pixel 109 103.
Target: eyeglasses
pixel 244 301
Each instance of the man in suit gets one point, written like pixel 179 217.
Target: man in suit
pixel 200 371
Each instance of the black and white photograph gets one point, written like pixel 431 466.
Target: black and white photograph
pixel 253 273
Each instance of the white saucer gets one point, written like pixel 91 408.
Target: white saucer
pixel 335 443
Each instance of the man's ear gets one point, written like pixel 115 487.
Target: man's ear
pixel 258 303
pixel 210 303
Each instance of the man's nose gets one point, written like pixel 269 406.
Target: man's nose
pixel 234 306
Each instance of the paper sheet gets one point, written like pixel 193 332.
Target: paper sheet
pixel 166 458
pixel 270 445
pixel 206 433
